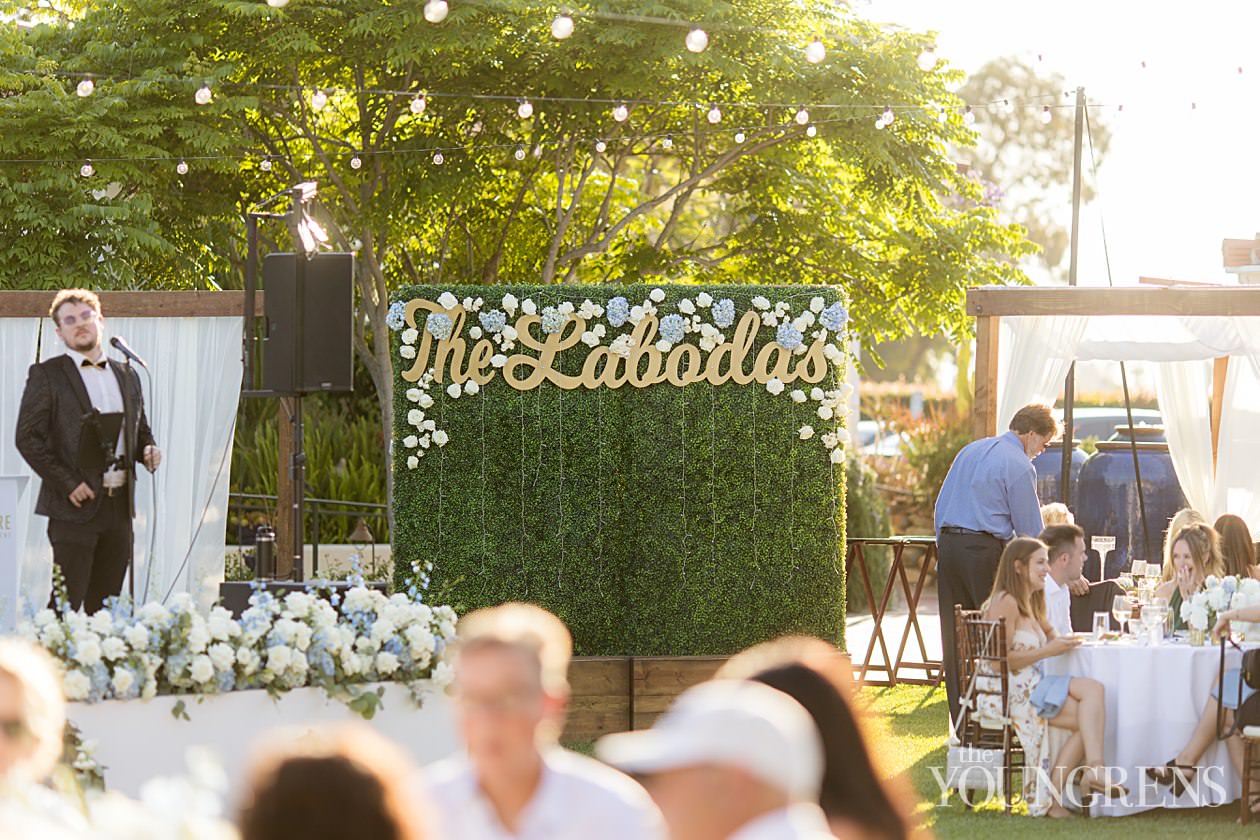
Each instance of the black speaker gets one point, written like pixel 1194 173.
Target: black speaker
pixel 327 326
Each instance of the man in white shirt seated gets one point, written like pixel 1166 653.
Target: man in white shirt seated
pixel 1066 544
pixel 511 690
pixel 730 760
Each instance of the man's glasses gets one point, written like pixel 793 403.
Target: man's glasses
pixel 83 318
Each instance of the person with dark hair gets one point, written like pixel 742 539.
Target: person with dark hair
pixel 988 498
pixel 858 800
pixel 342 784
pixel 1066 546
pixel 1238 551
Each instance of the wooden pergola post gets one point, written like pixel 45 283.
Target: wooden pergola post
pixel 1220 369
pixel 984 406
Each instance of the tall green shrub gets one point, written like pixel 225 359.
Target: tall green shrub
pixel 660 520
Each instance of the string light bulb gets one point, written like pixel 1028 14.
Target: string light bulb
pixel 815 52
pixel 740 137
pixel 318 100
pixel 519 154
pixel 715 115
pixel 85 87
pixel 525 110
pixel 203 95
pixel 265 164
pixel 888 116
pixel 879 123
pixel 927 59
pixel 356 162
pixel 621 113
pixel 667 143
pixel 1046 115
pixel 969 116
pixel 561 27
pixel 601 147
pixel 802 117
pixel 435 11
pixel 277 4
pixel 86 170
pixel 439 159
pixel 812 131
pixel 697 40
pixel 418 105
pixel 182 167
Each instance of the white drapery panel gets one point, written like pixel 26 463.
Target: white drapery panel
pixel 1238 447
pixel 19 347
pixel 1034 354
pixel 1184 393
pixel 191 402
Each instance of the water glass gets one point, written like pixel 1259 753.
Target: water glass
pixel 1153 624
pixel 1101 623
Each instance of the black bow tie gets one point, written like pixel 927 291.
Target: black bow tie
pixel 89 363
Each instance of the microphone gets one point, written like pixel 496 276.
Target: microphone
pixel 121 346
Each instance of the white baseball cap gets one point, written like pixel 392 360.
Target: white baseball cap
pixel 732 723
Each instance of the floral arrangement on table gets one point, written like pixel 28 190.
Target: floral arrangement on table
pixel 1218 594
pixel 625 329
pixel 278 644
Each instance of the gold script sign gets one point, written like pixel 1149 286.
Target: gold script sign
pixel 733 361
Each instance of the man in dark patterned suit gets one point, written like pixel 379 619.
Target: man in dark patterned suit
pixel 88 492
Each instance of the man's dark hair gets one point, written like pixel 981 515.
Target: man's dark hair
pixel 1060 538
pixel 1035 418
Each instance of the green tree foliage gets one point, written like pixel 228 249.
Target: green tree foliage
pixel 1028 162
pixel 876 212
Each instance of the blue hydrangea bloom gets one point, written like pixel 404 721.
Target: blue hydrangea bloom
pixel 397 316
pixel 724 313
pixel 617 312
pixel 834 317
pixel 493 320
pixel 673 328
pixel 224 681
pixel 788 336
pixel 553 320
pixel 439 324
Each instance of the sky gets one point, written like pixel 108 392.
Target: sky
pixel 1176 179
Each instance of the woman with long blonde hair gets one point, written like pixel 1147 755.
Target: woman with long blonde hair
pixel 1073 704
pixel 1196 553
pixel 1181 519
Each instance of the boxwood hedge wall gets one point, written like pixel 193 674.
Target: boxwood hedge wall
pixel 653 521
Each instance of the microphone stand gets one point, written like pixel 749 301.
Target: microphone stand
pixel 129 454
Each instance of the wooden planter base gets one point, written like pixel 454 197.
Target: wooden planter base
pixel 620 693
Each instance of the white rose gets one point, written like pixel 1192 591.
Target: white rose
pixel 704 299
pixel 102 623
pixel 407 351
pixel 411 441
pixel 825 412
pixel 830 440
pixel 590 339
pixel 453 390
pixel 663 346
pixel 386 663
pixel 123 680
pixel 707 344
pixel 424 442
pixel 529 307
pixel 443 673
pixel 769 319
pixel 415 417
pixel 76 685
pixel 636 314
pixel 816 393
pixel 565 307
pixel 798 396
pixel 413 394
pixel 474 332
pixel 657 295
pixel 410 335
pixel 113 648
pixel 775 386
pixel 137 636
pixel 761 302
pixel 412 462
pixel 837 456
pixel 448 301
pixel 800 323
pixel 509 334
pixel 509 303
pixel 198 637
pixel 426 401
pixel 817 304
pixel 833 354
pixel 45 617
pixel 498 360
pixel 806 432
pixel 428 426
pixel 471 387
pixel 222 655
pixel 278 657
pixel 202 669
pixel 842 435
pixel 87 652
pixel 468 303
pixel 440 437
pixel 686 307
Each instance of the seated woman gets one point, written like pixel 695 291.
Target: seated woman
pixel 1180 771
pixel 1181 519
pixel 1238 551
pixel 1056 513
pixel 1196 553
pixel 1074 704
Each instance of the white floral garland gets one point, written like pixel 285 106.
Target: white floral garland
pixel 819 321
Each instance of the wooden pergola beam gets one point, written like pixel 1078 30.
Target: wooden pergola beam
pixel 1205 301
pixel 190 304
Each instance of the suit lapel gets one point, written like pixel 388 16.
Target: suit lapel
pixel 75 380
pixel 124 388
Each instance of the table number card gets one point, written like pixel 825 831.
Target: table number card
pixel 1103 545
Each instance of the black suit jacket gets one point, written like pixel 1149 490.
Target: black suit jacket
pixel 50 422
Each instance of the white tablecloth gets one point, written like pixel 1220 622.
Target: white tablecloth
pixel 1155 696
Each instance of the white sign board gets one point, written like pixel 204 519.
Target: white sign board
pixel 11 487
pixel 1103 545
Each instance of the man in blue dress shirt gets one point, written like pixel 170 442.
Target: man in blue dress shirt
pixel 988 498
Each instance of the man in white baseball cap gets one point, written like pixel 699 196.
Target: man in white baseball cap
pixel 730 760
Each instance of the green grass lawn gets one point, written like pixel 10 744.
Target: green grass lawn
pixel 911 723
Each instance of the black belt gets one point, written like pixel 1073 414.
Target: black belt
pixel 950 529
pixel 111 492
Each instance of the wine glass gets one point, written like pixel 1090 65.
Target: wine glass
pixel 1122 610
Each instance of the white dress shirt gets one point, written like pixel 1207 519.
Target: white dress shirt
pixel 797 822
pixel 577 798
pixel 1058 607
pixel 107 398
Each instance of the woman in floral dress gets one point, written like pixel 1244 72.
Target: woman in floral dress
pixel 1073 704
